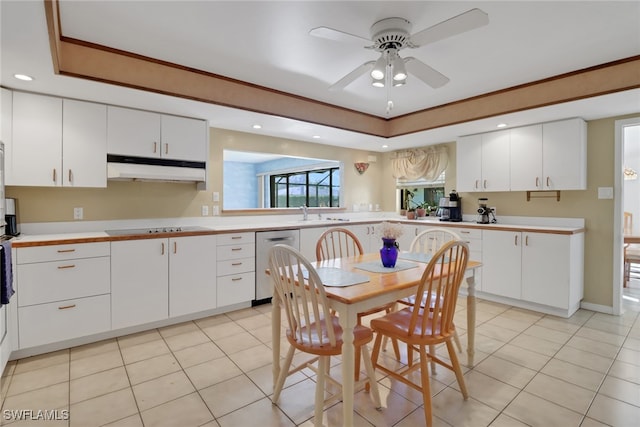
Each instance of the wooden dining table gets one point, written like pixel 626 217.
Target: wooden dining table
pixel 380 289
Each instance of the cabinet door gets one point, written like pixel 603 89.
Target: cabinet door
pixel 501 263
pixel 37 140
pixel 308 239
pixel 139 282
pixel 526 158
pixel 545 269
pixel 192 274
pixel 133 132
pixel 6 125
pixel 184 138
pixel 84 144
pixel 366 235
pixel 564 155
pixel 469 163
pixel 495 161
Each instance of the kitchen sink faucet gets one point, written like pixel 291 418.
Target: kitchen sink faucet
pixel 305 212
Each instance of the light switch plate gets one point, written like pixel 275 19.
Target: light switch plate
pixel 205 210
pixel 216 196
pixel 78 213
pixel 605 192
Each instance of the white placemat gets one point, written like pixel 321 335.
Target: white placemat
pixel 336 277
pixel 377 267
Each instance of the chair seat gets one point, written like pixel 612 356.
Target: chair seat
pixel 313 344
pixel 396 325
pixel 632 253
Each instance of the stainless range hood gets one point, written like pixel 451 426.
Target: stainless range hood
pixel 132 168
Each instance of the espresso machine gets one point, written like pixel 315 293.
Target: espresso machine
pixel 450 208
pixel 486 215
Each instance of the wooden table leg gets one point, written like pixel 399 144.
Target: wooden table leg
pixel 347 322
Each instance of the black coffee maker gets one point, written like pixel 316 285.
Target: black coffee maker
pixel 450 208
pixel 11 217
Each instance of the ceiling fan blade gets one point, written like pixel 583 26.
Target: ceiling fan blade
pixel 469 20
pixel 339 36
pixel 425 73
pixel 352 76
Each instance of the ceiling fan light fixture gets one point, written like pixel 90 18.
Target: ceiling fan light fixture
pixel 377 73
pixel 399 71
pixel 401 82
pixel 377 82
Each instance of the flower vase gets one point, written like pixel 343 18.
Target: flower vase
pixel 389 252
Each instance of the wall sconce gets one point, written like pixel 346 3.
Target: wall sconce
pixel 361 167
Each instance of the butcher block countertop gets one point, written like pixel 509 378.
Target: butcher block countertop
pixel 61 238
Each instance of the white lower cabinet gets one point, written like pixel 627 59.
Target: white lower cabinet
pixel 139 282
pixel 473 238
pixel 308 239
pixel 236 265
pixel 543 269
pixel 62 292
pixel 192 274
pixel 366 234
pixel 62 320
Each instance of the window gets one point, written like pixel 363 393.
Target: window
pixel 313 188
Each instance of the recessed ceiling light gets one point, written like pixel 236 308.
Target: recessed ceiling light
pixel 256 126
pixel 385 146
pixel 502 125
pixel 23 77
pixel 316 137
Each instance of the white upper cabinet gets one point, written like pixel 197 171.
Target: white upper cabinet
pixel 133 132
pixel 146 134
pixel 482 162
pixel 526 158
pixel 549 156
pixel 184 138
pixel 57 142
pixel 84 144
pixel 36 153
pixel 564 155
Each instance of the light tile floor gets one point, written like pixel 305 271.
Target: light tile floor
pixel 531 370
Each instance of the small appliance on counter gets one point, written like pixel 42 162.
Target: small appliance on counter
pixel 12 228
pixel 450 208
pixel 486 215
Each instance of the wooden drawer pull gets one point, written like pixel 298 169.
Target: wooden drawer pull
pixel 60 267
pixel 65 307
pixel 62 251
pixel 235 279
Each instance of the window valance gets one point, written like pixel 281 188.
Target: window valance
pixel 419 163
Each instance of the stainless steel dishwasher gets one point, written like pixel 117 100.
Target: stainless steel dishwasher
pixel 264 241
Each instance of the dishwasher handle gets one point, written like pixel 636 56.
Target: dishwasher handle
pixel 278 239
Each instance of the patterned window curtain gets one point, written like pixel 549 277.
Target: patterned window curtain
pixel 419 163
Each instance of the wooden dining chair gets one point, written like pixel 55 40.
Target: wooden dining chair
pixel 312 328
pixel 339 242
pixel 631 251
pixel 428 242
pixel 420 328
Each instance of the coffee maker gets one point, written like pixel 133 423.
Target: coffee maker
pixel 450 208
pixel 485 213
pixel 12 227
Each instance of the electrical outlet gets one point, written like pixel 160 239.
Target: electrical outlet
pixel 205 210
pixel 216 210
pixel 216 196
pixel 78 213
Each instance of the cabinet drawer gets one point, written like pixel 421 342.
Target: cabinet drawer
pixel 236 238
pixel 47 323
pixel 235 266
pixel 236 288
pixel 61 252
pixel 468 233
pixel 238 251
pixel 60 280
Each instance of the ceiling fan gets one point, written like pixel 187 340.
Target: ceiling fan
pixel 389 36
